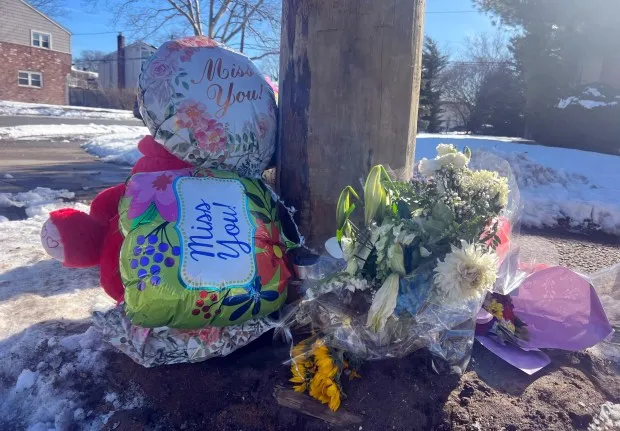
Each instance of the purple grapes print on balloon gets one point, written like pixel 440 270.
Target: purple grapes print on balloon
pixel 152 252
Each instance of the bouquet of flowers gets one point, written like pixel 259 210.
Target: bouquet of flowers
pixel 418 266
pixel 504 327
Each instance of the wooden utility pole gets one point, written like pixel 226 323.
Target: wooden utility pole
pixel 349 90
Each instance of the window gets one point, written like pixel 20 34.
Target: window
pixel 30 79
pixel 41 40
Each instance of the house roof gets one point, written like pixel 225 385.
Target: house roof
pixel 45 16
pixel 136 43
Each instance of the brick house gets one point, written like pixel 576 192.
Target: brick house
pixel 35 55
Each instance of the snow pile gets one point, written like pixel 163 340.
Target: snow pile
pixel 54 381
pixel 588 104
pixel 589 98
pixel 34 287
pixel 41 200
pixel 38 109
pixel 52 368
pixel 63 130
pixel 558 186
pixel 608 418
pixel 120 148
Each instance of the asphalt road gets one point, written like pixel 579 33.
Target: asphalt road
pixel 56 163
pixel 19 120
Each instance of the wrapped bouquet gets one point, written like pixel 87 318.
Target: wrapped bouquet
pixel 418 266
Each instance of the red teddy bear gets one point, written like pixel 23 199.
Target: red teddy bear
pixel 81 240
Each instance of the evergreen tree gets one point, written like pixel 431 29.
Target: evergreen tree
pixel 555 37
pixel 499 104
pixel 429 110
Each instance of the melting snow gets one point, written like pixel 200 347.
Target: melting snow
pixel 556 184
pixel 40 131
pixel 39 109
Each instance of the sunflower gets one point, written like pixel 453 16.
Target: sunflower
pixel 299 371
pixel 314 370
pixel 496 309
pixel 323 386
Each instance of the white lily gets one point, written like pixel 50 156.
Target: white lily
pixel 383 304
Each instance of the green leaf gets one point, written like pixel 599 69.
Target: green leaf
pixel 170 111
pixel 344 207
pixel 164 134
pixel 186 85
pixel 259 215
pixel 256 200
pixel 245 137
pixel 442 212
pixel 375 194
pixel 147 217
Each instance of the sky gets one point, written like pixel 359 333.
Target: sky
pixel 447 21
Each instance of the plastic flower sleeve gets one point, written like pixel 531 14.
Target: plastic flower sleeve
pixel 607 284
pixel 409 229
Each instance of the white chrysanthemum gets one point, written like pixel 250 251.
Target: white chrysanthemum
pixel 443 149
pixel 466 272
pixel 488 183
pixel 428 167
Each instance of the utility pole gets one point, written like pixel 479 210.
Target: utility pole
pixel 349 90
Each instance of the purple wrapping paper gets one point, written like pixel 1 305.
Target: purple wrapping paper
pixel 527 361
pixel 561 310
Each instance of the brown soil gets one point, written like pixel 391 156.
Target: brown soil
pixel 236 393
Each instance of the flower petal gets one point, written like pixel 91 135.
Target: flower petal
pixel 237 299
pixel 256 308
pixel 168 211
pixel 269 295
pixel 240 311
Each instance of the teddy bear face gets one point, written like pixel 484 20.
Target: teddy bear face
pixel 52 241
pixel 209 106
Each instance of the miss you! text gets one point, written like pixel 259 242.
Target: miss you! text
pixel 225 95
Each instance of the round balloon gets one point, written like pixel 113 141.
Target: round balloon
pixel 209 106
pixel 202 248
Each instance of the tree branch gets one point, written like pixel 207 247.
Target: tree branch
pixel 198 19
pixel 186 15
pixel 265 54
pixel 245 20
pixel 221 11
pixel 231 15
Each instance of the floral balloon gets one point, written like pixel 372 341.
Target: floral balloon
pixel 209 106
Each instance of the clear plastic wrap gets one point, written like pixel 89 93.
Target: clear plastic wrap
pixel 336 309
pixel 607 285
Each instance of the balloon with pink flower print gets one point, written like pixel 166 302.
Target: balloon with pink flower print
pixel 209 106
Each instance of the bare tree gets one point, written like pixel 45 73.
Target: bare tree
pixel 251 25
pixel 89 60
pixel 270 66
pixel 53 8
pixel 462 80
